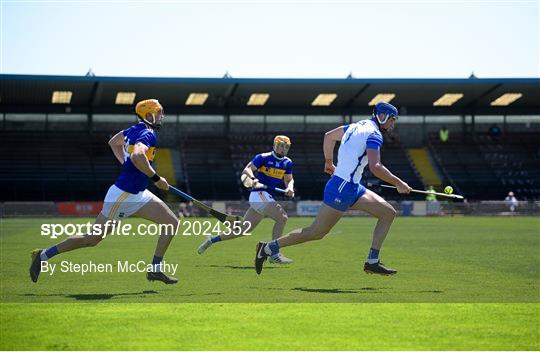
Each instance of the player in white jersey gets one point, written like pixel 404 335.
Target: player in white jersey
pixel 360 146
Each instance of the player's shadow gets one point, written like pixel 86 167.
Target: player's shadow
pixel 106 296
pixel 338 290
pixel 359 290
pixel 93 296
pixel 237 267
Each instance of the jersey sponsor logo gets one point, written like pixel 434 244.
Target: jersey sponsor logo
pixel 150 153
pixel 272 172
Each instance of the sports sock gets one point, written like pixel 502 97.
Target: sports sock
pixel 156 264
pixel 373 256
pixel 215 239
pixel 48 253
pixel 272 248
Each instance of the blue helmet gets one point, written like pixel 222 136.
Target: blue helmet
pixel 387 109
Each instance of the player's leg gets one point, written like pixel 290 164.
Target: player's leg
pixel 257 202
pixel 276 212
pixel 251 219
pixel 88 240
pixel 375 205
pixel 158 212
pixel 337 200
pixel 323 223
pixel 264 203
pixel 71 243
pixel 116 200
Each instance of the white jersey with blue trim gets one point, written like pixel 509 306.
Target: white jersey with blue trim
pixel 352 154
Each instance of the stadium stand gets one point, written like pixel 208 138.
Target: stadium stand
pixel 482 167
pixel 58 151
pixel 55 165
pixel 79 165
pixel 515 165
pixel 209 173
pixel 422 162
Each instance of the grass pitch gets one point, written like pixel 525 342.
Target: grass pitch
pixel 463 283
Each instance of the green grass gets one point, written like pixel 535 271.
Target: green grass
pixel 282 326
pixel 463 283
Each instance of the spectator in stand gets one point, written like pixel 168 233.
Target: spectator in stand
pixel 189 209
pixel 495 131
pixel 431 197
pixel 185 210
pixel 181 210
pixel 511 201
pixel 444 134
pixel 433 207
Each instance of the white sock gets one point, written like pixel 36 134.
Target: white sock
pixel 372 261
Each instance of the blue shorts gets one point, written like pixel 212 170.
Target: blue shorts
pixel 340 194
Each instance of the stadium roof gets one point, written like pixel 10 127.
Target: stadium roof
pixel 30 93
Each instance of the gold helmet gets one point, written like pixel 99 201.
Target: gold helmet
pixel 149 106
pixel 282 141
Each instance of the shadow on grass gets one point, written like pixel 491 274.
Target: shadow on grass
pixel 237 267
pixel 339 290
pixel 92 296
pixel 359 290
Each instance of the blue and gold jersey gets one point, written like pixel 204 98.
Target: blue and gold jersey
pixel 131 179
pixel 270 170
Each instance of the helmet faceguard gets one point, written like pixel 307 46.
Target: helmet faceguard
pixel 283 143
pixel 388 111
pixel 152 107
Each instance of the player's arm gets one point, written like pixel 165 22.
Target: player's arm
pixel 249 170
pixel 117 145
pixel 289 183
pixel 380 171
pixel 140 160
pixel 330 139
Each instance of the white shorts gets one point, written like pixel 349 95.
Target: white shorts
pixel 119 204
pixel 258 200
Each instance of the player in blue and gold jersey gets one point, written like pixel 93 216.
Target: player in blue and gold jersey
pixel 135 149
pixel 269 171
